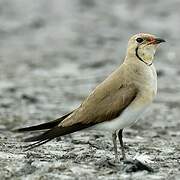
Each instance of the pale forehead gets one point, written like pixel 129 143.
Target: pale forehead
pixel 144 35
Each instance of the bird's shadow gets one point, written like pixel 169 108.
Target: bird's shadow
pixel 128 165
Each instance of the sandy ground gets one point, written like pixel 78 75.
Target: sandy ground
pixel 52 54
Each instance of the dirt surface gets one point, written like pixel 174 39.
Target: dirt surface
pixel 52 54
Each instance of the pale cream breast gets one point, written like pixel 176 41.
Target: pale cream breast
pixel 145 79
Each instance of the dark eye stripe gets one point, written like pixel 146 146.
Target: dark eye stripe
pixel 139 40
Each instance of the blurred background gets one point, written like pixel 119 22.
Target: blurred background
pixel 54 52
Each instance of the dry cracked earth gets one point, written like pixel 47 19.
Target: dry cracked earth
pixel 52 54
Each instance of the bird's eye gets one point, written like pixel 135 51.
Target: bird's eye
pixel 139 40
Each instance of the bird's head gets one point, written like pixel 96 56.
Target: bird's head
pixel 143 46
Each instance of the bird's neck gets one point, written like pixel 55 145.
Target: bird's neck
pixel 140 60
pixel 142 75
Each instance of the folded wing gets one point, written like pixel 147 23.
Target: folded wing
pixel 105 103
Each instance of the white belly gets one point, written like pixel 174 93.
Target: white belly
pixel 126 119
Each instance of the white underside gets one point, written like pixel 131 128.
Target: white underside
pixel 126 119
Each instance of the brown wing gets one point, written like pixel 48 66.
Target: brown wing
pixel 104 104
pixel 107 107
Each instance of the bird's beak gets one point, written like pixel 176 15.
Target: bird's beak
pixel 158 41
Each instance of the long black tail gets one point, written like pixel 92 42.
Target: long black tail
pixel 43 126
pixel 53 133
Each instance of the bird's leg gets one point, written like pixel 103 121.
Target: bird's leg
pixel 114 137
pixel 121 143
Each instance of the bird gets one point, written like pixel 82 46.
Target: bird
pixel 116 103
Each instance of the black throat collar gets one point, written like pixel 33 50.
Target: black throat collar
pixel 137 55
